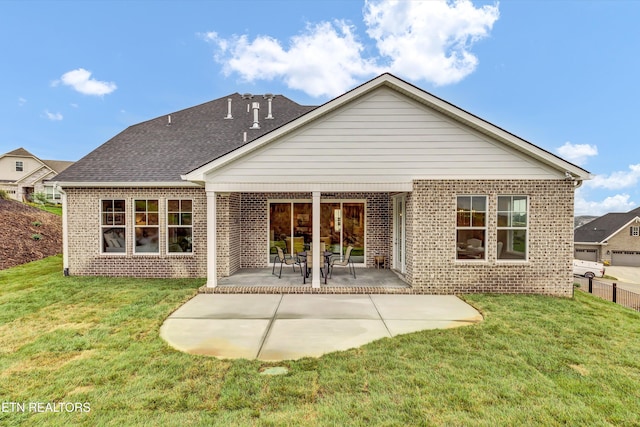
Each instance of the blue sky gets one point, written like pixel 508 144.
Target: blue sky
pixel 560 74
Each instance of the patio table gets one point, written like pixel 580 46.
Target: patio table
pixel 325 267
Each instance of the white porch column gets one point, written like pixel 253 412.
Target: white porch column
pixel 212 274
pixel 317 256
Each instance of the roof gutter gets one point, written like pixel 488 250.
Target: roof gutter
pixel 125 184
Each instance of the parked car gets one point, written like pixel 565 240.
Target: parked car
pixel 587 268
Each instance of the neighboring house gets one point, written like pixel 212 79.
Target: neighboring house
pixel 614 238
pixel 22 174
pixel 454 203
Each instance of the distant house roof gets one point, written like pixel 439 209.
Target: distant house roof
pixel 164 148
pixel 57 165
pixel 601 229
pixel 20 152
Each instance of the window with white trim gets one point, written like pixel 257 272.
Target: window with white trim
pixel 513 222
pixel 19 166
pixel 113 226
pixel 52 193
pixel 147 227
pixel 635 231
pixel 471 227
pixel 179 226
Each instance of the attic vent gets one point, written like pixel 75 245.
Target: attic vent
pixel 269 98
pixel 256 121
pixel 247 96
pixel 229 116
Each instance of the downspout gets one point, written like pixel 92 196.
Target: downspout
pixel 65 231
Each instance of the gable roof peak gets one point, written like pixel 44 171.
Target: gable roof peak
pixel 19 152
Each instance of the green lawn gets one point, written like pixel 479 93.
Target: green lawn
pixel 533 361
pixel 54 209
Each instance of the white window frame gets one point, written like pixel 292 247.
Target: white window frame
pixel 525 229
pixel 310 201
pixel 103 226
pixel 19 166
pixel 635 231
pixel 472 227
pixel 52 192
pixel 169 226
pixel 136 225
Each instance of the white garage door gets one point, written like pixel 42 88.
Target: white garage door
pixel 586 254
pixel 626 258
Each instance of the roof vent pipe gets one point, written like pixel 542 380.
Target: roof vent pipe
pixel 269 98
pixel 229 116
pixel 244 137
pixel 256 120
pixel 169 120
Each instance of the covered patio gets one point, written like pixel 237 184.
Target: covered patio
pixel 261 280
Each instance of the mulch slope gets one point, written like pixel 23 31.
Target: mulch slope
pixel 18 224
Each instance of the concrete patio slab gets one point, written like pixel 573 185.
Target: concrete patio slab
pixel 424 307
pixel 291 326
pixel 225 338
pixel 327 307
pixel 297 338
pixel 231 306
pixel 400 327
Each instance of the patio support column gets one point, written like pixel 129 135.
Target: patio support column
pixel 212 274
pixel 317 256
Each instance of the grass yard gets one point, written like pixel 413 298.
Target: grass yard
pixel 533 361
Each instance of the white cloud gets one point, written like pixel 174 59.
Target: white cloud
pixel 81 81
pixel 577 153
pixel 324 60
pixel 54 117
pixel 616 203
pixel 21 101
pixel 422 40
pixel 429 40
pixel 617 180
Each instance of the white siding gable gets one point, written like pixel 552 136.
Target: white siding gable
pixel 382 137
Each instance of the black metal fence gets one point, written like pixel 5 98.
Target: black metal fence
pixel 610 292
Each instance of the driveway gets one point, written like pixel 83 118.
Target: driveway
pixel 292 326
pixel 626 277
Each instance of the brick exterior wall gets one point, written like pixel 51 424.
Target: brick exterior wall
pixel 433 265
pixel 83 207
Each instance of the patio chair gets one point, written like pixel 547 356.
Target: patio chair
pixel 283 258
pixel 345 262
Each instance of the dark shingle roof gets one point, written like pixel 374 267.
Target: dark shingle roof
pixel 602 228
pixel 156 151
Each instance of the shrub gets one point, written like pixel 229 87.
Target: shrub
pixel 36 236
pixel 4 195
pixel 40 198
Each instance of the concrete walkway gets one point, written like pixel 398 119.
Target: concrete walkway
pixel 292 326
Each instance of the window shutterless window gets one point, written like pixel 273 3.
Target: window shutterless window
pixel 179 226
pixel 52 193
pixel 147 229
pixel 513 220
pixel 471 227
pixel 113 226
pixel 19 166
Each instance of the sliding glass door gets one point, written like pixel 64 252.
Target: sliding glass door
pixel 342 224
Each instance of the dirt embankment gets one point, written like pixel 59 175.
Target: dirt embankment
pixel 27 234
